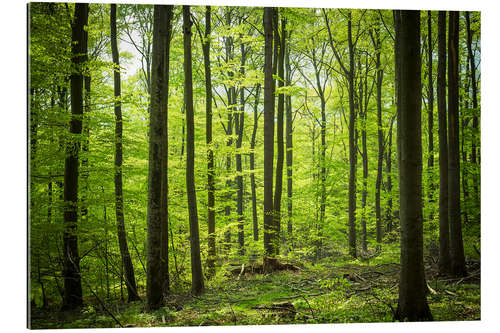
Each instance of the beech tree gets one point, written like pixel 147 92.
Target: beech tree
pixel 412 304
pixel 71 271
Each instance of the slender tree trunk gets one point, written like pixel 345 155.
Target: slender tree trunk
pixel 364 193
pixel 278 187
pixel 430 114
pixel 268 132
pixel 239 125
pixel 352 145
pixel 210 152
pixel 71 264
pixel 456 244
pixel 380 136
pixel 252 165
pixel 167 35
pixel 120 223
pixel 475 118
pixel 444 227
pixel 412 303
pixel 196 271
pixel 389 213
pixel 289 149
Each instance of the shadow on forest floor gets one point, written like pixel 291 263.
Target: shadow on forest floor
pixel 340 293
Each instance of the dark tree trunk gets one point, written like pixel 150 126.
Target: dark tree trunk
pixel 363 108
pixel 412 303
pixel 252 165
pixel 210 152
pixel 456 243
pixel 239 126
pixel 380 136
pixel 167 13
pixel 289 149
pixel 352 145
pixel 120 223
pixel 268 132
pixel 430 113
pixel 196 272
pixel 71 262
pixel 278 187
pixel 157 262
pixel 444 227
pixel 476 111
pixel 389 213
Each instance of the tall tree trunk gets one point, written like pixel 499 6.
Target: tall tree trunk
pixel 289 148
pixel 71 263
pixel 430 114
pixel 239 125
pixel 196 272
pixel 412 303
pixel 278 187
pixel 456 244
pixel 167 35
pixel 253 186
pixel 380 136
pixel 352 145
pixel 268 132
pixel 389 213
pixel 120 223
pixel 475 118
pixel 210 152
pixel 231 102
pixel 155 265
pixel 444 226
pixel 363 107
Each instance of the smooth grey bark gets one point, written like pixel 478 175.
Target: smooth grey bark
pixel 197 285
pixel 71 259
pixel 430 111
pixel 456 243
pixel 412 303
pixel 444 226
pixel 120 221
pixel 289 147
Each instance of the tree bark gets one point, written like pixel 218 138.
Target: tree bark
pixel 380 136
pixel 278 187
pixel 210 152
pixel 155 265
pixel 289 149
pixel 430 113
pixel 268 132
pixel 71 262
pixel 239 125
pixel 412 303
pixel 475 118
pixel 253 185
pixel 120 222
pixel 444 227
pixel 352 145
pixel 456 242
pixel 196 271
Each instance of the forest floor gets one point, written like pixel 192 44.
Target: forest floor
pixel 326 293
